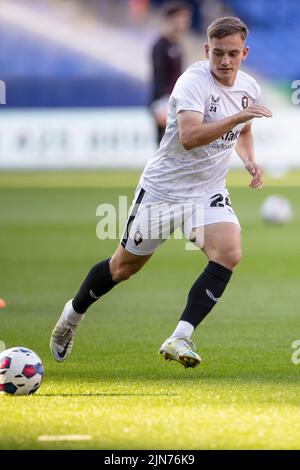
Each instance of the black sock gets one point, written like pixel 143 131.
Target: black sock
pixel 96 284
pixel 206 292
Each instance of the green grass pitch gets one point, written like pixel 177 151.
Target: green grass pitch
pixel 115 388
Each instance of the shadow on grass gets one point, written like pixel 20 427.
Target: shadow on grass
pixel 176 375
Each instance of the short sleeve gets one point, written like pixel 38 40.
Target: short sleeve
pixel 189 94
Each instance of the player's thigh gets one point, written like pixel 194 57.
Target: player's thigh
pixel 222 231
pixel 214 226
pixel 221 238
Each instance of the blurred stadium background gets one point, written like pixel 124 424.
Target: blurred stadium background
pixel 77 77
pixel 76 119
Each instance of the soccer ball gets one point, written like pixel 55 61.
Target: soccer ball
pixel 276 210
pixel 21 371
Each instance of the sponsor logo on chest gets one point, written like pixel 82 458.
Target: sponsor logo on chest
pixel 230 136
pixel 214 103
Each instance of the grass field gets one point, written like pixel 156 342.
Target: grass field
pixel 115 388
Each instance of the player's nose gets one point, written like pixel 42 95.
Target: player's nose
pixel 225 61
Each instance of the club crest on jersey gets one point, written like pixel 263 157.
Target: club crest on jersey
pixel 245 102
pixel 138 238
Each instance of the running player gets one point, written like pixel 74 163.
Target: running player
pixel 210 113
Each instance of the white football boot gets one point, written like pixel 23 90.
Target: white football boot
pixel 62 337
pixel 181 350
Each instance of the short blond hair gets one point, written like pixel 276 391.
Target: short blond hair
pixel 226 26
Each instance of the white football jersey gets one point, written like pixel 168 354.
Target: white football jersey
pixel 174 173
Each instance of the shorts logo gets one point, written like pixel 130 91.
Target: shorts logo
pixel 138 238
pixel 245 102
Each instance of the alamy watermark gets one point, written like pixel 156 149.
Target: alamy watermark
pixel 148 222
pixel 295 358
pixel 296 94
pixel 2 92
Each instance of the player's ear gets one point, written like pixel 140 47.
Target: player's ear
pixel 245 52
pixel 206 50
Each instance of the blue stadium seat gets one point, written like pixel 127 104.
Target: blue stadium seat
pixel 275 33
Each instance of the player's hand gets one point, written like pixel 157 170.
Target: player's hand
pixel 257 175
pixel 254 111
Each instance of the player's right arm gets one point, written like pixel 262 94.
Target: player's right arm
pixel 193 132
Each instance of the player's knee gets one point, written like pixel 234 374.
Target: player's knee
pixel 120 274
pixel 123 272
pixel 230 258
pixel 233 257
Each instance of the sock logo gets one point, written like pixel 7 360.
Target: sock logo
pixel 93 295
pixel 211 296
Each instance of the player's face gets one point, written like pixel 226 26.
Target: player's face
pixel 225 56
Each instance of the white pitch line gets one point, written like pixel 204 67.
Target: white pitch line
pixel 66 437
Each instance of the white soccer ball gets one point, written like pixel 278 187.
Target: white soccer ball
pixel 21 371
pixel 276 210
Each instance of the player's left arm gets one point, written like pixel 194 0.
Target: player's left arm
pixel 245 150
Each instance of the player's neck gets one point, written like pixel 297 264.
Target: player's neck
pixel 229 82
